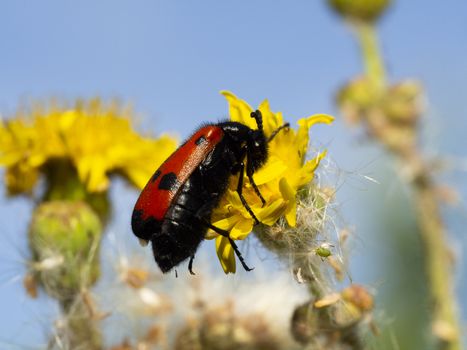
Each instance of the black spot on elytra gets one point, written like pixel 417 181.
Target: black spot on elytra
pixel 144 228
pixel 200 140
pixel 168 181
pixel 155 176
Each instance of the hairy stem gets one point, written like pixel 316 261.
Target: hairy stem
pixel 438 261
pixel 438 264
pixel 79 329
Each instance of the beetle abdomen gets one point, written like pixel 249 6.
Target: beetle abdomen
pixel 184 226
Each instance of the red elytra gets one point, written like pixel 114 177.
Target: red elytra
pixel 182 163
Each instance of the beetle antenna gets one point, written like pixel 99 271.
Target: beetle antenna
pixel 275 132
pixel 259 118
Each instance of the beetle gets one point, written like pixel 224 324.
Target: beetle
pixel 174 209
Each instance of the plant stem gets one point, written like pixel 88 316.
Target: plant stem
pixel 82 330
pixel 374 66
pixel 438 262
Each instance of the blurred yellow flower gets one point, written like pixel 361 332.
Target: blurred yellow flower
pixel 285 172
pixel 96 138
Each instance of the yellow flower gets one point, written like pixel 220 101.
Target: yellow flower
pixel 285 172
pixel 96 138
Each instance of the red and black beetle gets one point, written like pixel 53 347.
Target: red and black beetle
pixel 174 209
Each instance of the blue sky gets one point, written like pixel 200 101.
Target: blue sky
pixel 171 59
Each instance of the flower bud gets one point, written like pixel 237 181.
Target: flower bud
pixel 356 97
pixel 305 323
pixel 64 238
pixel 363 10
pixel 358 297
pixel 402 102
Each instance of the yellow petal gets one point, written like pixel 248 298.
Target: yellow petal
pixel 272 212
pixel 271 121
pixel 318 118
pixel 67 119
pixel 211 235
pixel 285 146
pixel 98 180
pixel 92 173
pixel 226 224
pixel 242 229
pixel 226 254
pixel 233 197
pixel 273 169
pixel 289 195
pixel 10 158
pixel 312 164
pixel 306 173
pixel 36 160
pixel 21 179
pixel 305 124
pixel 239 110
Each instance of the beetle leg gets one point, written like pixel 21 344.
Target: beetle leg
pixel 190 265
pixel 232 243
pixel 239 191
pixel 263 201
pixel 200 214
pixel 249 173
